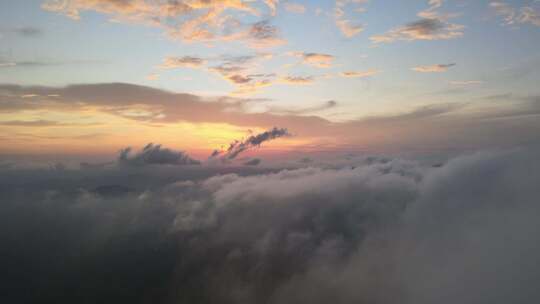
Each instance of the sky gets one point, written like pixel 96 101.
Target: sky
pixel 269 151
pixel 89 77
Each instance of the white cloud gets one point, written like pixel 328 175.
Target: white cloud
pixel 190 21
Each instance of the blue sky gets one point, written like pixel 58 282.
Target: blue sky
pixel 93 49
pixel 399 55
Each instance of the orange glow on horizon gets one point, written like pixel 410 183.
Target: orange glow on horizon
pixel 76 133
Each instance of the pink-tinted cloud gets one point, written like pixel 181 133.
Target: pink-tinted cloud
pixel 189 21
pixel 347 27
pixel 182 62
pixel 315 59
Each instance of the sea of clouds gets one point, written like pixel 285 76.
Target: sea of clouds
pixel 384 230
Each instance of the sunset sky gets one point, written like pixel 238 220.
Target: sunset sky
pixel 93 76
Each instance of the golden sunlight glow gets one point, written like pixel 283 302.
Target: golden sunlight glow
pixel 33 132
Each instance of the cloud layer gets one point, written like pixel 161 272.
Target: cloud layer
pixel 383 231
pixel 510 121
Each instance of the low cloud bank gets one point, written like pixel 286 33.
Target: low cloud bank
pixel 383 231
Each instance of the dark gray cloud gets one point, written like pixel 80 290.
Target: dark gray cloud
pixel 432 25
pixel 24 31
pixel 155 155
pixel 425 26
pixel 386 231
pixel 253 141
pixel 253 162
pixel 264 34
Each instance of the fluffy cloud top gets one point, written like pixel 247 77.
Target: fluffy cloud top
pixel 384 230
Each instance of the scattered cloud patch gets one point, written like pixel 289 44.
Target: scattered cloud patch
pixel 347 27
pixel 431 26
pixel 330 104
pixel 514 16
pixel 297 80
pixel 466 82
pixel 436 68
pixel 26 31
pixel 153 154
pixel 182 62
pixel 262 34
pixel 204 21
pixel 319 60
pixel 360 74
